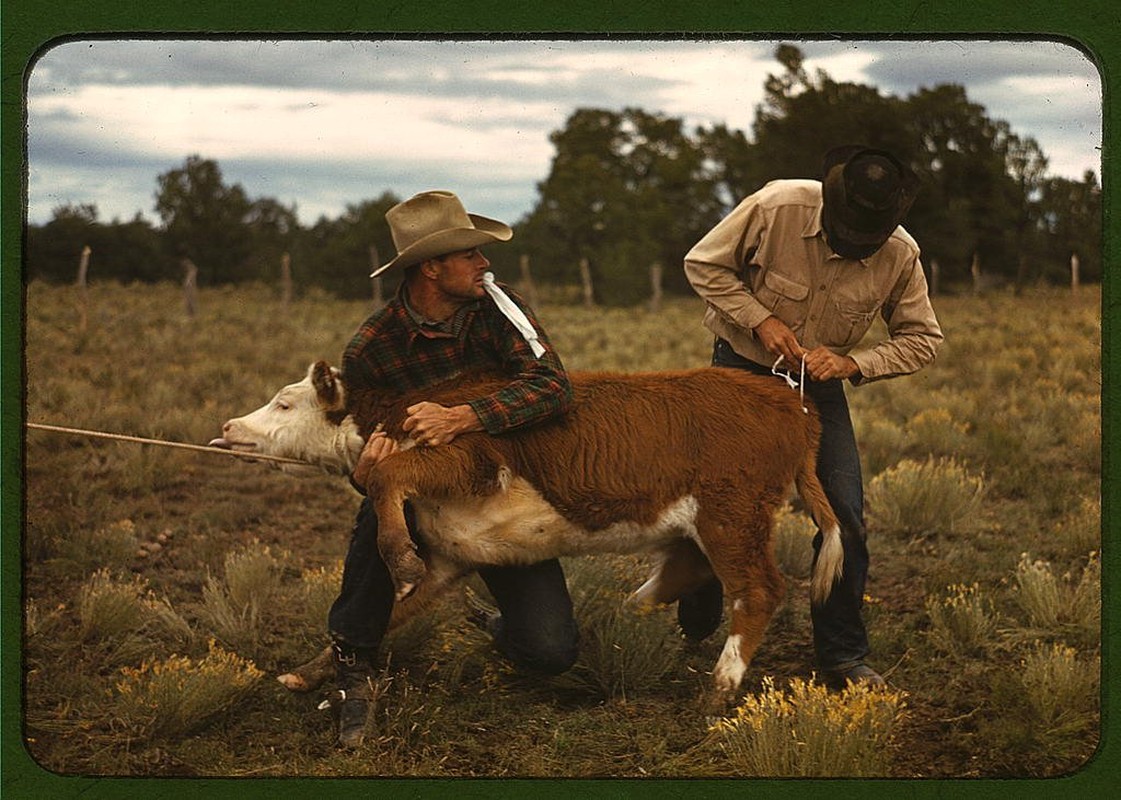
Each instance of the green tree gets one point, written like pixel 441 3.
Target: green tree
pixel 625 190
pixel 205 220
pixel 273 230
pixel 340 249
pixel 801 117
pixel 968 203
pixel 1071 219
pixel 119 251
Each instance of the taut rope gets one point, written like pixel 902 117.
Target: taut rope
pixel 122 438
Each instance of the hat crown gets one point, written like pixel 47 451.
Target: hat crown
pixel 873 181
pixel 425 214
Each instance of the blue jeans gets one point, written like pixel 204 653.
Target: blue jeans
pixel 840 639
pixel 536 629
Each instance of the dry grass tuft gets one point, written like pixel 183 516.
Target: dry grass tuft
pixel 1070 603
pixel 962 621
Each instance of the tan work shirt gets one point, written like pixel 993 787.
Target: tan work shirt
pixel 770 256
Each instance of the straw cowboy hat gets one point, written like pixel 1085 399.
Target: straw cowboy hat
pixel 431 224
pixel 866 193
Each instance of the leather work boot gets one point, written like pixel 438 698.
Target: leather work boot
pixel 353 695
pixel 859 673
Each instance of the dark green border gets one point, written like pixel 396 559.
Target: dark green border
pixel 27 26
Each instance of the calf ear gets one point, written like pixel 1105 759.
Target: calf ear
pixel 325 380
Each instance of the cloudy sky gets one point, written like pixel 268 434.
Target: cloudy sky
pixel 324 124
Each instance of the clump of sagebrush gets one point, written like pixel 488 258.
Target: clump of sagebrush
pixel 1069 603
pixel 320 588
pixel 178 695
pixel 233 604
pixel 809 731
pixel 1050 710
pixel 623 648
pixel 962 622
pixel 934 431
pixel 145 468
pixel 112 609
pixel 1080 530
pixel 917 499
pixel 881 442
pixel 793 542
pixel 114 545
pixel 1060 690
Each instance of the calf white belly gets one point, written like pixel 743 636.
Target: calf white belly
pixel 518 526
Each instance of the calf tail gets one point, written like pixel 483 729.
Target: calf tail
pixel 831 556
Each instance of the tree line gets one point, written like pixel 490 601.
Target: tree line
pixel 631 189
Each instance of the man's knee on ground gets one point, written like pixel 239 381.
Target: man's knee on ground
pixel 550 651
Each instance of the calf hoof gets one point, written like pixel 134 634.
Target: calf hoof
pixel 293 683
pixel 715 703
pixel 407 571
pixel 310 675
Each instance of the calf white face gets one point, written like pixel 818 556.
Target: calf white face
pixel 303 420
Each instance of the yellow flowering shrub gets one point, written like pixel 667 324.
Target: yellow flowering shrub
pixel 178 695
pixel 809 731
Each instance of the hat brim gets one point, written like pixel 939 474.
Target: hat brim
pixel 484 231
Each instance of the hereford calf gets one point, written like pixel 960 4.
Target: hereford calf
pixel 689 466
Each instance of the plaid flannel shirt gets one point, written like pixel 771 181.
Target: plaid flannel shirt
pixel 393 348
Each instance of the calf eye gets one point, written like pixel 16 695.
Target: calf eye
pixel 283 405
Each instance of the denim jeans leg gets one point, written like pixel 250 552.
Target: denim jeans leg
pixel 537 629
pixel 360 614
pixel 840 638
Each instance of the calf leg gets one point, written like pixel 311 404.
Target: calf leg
pixel 680 569
pixel 450 470
pixel 744 563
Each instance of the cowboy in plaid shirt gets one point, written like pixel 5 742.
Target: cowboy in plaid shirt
pixel 399 347
pixel 446 319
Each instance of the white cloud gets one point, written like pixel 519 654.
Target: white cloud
pixel 321 124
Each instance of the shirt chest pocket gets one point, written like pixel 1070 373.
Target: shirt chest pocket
pixel 785 297
pixel 848 323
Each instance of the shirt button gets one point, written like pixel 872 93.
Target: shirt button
pixel 822 287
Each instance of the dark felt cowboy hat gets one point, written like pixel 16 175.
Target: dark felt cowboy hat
pixel 866 194
pixel 431 224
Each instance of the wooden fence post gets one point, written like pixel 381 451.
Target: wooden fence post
pixel 1074 265
pixel 656 286
pixel 379 298
pixel 83 295
pixel 975 271
pixel 526 288
pixel 935 276
pixel 285 279
pixel 586 280
pixel 190 286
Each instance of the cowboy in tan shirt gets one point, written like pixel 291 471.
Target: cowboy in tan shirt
pixel 770 257
pixel 800 270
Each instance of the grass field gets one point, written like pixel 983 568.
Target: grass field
pixel 164 588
